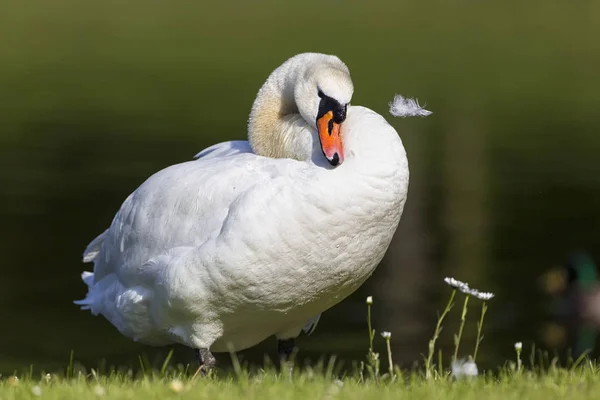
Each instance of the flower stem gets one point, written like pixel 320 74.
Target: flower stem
pixel 390 362
pixel 372 357
pixel 371 330
pixel 463 319
pixel 479 329
pixel 436 334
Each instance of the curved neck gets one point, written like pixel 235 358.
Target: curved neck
pixel 275 127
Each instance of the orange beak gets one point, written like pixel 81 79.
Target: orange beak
pixel 331 141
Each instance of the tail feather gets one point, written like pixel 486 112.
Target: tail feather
pixel 86 304
pixel 88 278
pixel 126 308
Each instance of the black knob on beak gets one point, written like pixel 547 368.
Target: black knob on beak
pixel 339 114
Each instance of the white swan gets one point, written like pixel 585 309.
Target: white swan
pixel 257 238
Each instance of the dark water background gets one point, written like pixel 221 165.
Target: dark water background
pixel 505 175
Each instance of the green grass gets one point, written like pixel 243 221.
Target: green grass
pixel 579 383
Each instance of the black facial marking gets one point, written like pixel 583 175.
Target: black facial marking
pixel 329 104
pixel 339 115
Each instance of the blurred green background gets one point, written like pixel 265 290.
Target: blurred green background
pixel 505 177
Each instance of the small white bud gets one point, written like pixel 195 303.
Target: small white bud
pixel 518 346
pixel 386 335
pixel 369 300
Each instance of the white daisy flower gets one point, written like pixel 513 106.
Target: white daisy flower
pixel 455 283
pixel 485 296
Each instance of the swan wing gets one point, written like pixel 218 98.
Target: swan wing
pixel 225 149
pixel 184 205
pixel 164 227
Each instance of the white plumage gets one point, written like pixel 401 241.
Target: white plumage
pixel 234 247
pixel 406 107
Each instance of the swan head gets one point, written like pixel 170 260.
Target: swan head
pixel 322 95
pixel 298 111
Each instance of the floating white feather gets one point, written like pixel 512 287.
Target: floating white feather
pixel 407 107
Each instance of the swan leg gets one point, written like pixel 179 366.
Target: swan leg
pixel 206 361
pixel 285 348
